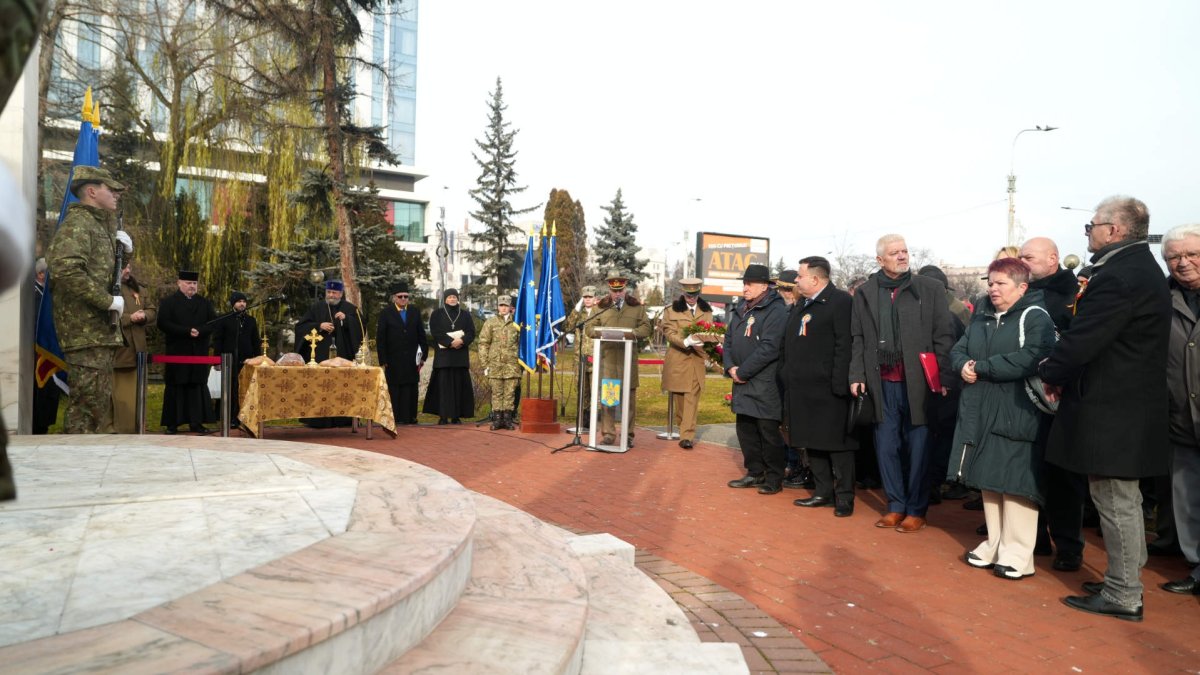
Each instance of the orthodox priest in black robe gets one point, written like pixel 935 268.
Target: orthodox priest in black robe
pixel 451 330
pixel 338 322
pixel 184 318
pixel 402 348
pixel 236 334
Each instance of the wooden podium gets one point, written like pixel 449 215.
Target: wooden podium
pixel 538 416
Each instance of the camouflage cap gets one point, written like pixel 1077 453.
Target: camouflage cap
pixel 589 291
pixel 93 174
pixel 505 300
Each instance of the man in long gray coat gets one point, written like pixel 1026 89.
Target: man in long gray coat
pixel 898 316
pixel 753 337
pixel 1112 422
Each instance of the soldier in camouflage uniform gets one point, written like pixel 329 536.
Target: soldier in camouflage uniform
pixel 82 270
pixel 583 311
pixel 498 349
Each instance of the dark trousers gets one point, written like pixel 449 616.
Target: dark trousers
pixel 942 414
pixel 833 474
pixel 762 447
pixel 1066 492
pixel 902 448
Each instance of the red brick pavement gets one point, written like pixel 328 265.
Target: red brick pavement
pixel 863 598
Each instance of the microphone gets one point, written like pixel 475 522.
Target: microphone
pixel 275 298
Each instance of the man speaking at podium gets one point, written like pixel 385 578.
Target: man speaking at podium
pixel 619 310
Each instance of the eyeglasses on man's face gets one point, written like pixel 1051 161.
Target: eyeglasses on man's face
pixel 1190 256
pixel 1089 226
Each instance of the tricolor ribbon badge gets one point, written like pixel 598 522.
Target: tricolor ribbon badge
pixel 804 324
pixel 749 326
pixel 1083 282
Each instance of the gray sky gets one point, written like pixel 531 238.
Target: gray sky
pixel 822 125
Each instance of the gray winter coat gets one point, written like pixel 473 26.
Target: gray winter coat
pixel 1183 372
pixel 925 326
pixel 752 343
pixel 994 445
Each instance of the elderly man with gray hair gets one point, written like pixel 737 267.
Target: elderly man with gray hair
pixel 1107 371
pixel 1181 251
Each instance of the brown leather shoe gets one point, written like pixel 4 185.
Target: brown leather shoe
pixel 911 524
pixel 892 519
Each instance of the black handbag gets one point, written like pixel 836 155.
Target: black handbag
pixel 861 412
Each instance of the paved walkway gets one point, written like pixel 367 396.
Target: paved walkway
pixel 862 598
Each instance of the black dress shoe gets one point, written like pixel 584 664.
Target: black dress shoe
pixel 1096 604
pixel 814 501
pixel 685 444
pixel 443 420
pixel 843 509
pixel 1066 562
pixel 1092 587
pixel 770 488
pixel 1188 586
pixel 747 481
pixel 199 429
pixel 456 420
pixel 170 431
pixel 981 530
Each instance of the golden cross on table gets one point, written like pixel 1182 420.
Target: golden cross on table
pixel 312 338
pixel 264 343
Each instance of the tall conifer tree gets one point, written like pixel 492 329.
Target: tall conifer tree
pixel 616 241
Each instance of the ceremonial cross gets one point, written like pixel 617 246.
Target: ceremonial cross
pixel 313 338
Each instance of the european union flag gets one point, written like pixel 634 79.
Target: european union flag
pixel 526 313
pixel 550 303
pixel 49 353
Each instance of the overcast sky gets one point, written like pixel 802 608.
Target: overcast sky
pixel 822 125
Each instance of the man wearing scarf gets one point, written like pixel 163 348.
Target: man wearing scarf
pixel 753 338
pixel 683 370
pixel 897 317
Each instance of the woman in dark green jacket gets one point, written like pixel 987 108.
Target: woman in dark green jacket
pixel 995 447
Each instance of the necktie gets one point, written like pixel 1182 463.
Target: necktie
pixel 403 316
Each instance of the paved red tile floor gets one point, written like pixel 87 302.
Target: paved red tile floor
pixel 863 598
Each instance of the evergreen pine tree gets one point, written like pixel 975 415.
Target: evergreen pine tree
pixel 571 248
pixel 616 241
pixel 496 184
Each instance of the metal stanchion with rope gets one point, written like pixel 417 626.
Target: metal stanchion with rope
pixel 224 360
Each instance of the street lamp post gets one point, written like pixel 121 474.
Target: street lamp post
pixel 442 251
pixel 1012 182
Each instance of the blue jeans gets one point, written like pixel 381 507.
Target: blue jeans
pixel 902 448
pixel 1119 503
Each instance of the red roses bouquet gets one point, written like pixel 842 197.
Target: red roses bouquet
pixel 712 334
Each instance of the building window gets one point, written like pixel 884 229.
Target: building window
pixel 407 220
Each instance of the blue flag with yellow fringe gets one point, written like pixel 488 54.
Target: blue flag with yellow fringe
pixel 525 313
pixel 551 312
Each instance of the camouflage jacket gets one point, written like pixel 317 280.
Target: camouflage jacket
pixel 497 344
pixel 81 261
pixel 577 316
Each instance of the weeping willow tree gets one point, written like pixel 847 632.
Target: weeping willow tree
pixel 320 36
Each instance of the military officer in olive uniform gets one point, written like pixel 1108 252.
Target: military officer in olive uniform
pixel 683 370
pixel 619 310
pixel 82 261
pixel 498 349
pixel 577 324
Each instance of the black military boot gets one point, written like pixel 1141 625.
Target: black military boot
pixel 497 420
pixel 508 420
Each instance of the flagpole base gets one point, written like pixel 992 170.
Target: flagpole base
pixel 538 416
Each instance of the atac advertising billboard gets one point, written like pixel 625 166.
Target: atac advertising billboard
pixel 721 260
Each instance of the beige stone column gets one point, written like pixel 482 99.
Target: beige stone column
pixel 18 153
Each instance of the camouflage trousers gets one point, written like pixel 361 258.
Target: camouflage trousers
pixel 90 406
pixel 504 392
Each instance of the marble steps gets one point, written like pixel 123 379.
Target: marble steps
pixel 543 600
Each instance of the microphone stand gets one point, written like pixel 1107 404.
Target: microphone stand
pixel 578 440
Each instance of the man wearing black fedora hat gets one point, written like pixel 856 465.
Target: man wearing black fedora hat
pixel 753 337
pixel 184 318
pixel 402 347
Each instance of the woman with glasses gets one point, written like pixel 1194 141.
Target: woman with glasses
pixel 994 448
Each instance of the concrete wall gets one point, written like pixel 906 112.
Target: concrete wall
pixel 18 152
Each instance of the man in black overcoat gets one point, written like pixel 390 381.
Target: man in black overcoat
pixel 1112 419
pixel 237 335
pixel 816 367
pixel 338 323
pixel 183 318
pixel 403 348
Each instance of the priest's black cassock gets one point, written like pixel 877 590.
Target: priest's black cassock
pixel 185 398
pixel 236 334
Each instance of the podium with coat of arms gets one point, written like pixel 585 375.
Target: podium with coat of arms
pixel 611 393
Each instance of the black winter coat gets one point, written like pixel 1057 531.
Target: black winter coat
pixel 752 343
pixel 1112 420
pixel 925 326
pixel 994 444
pixel 814 367
pixel 177 316
pixel 396 343
pixel 445 319
pixel 237 334
pixel 1058 293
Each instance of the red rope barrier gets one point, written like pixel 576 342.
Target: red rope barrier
pixel 186 360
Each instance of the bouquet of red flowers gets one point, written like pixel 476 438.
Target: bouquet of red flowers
pixel 712 334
